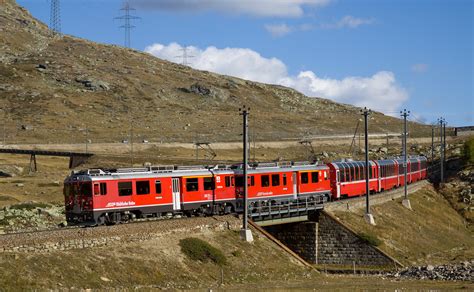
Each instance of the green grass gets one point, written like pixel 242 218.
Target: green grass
pixel 199 250
pixel 370 239
pixel 469 150
pixel 29 206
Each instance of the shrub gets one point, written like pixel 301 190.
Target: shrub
pixel 199 250
pixel 370 239
pixel 469 150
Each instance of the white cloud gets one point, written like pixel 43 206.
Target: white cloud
pixel 419 68
pixel 278 30
pixel 380 91
pixel 282 29
pixel 348 21
pixel 263 8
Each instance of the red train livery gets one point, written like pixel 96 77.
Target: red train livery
pixel 98 196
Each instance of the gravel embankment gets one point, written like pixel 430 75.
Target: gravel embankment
pixel 452 272
pixel 71 238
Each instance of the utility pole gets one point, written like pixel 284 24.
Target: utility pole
pixel 444 142
pixel 368 216
pixel 432 144
pixel 87 140
pixel 185 56
pixel 245 233
pixel 55 18
pixel 441 160
pixel 131 138
pixel 4 126
pixel 127 18
pixel 406 201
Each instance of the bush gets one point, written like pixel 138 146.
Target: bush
pixel 199 250
pixel 469 150
pixel 370 239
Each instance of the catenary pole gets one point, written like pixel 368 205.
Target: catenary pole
pixel 441 121
pixel 370 219
pixel 246 234
pixel 432 144
pixel 405 114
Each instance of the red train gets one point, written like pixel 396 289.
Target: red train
pixel 97 196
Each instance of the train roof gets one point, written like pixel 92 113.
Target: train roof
pixel 148 172
pixel 279 167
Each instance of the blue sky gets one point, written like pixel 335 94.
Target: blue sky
pixel 388 55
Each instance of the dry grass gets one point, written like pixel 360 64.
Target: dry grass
pixel 432 233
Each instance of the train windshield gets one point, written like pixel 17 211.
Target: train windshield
pixel 78 189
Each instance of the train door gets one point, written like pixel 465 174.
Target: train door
pixel 176 194
pixel 379 177
pixel 338 184
pixel 295 184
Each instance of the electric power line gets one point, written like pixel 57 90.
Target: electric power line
pixel 55 17
pixel 185 56
pixel 127 18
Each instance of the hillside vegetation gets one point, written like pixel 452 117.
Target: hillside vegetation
pixel 53 89
pixel 432 233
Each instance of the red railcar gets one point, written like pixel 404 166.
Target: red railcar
pixel 272 181
pixel 103 196
pixel 388 177
pixel 106 196
pixel 348 178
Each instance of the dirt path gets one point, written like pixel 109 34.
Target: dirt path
pixel 119 148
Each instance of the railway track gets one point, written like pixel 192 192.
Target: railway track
pixel 74 237
pixel 70 237
pixel 375 199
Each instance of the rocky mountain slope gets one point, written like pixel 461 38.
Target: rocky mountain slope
pixel 52 89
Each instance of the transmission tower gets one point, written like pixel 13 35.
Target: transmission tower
pixel 185 56
pixel 55 17
pixel 127 18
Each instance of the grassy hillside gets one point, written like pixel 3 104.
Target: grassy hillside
pixel 53 89
pixel 432 233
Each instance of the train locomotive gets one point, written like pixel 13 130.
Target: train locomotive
pixel 108 196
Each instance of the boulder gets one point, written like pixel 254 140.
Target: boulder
pixel 93 84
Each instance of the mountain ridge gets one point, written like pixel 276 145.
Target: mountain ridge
pixel 52 89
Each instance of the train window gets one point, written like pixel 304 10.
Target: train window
pixel 143 187
pixel 341 175
pixel 304 178
pixel 239 181
pixel 227 181
pixel 362 172
pixel 158 187
pixel 370 172
pixel 275 180
pixel 348 173
pixel 125 188
pixel 353 172
pixel 192 184
pixel 103 189
pixel 265 180
pixel 208 183
pixel 85 189
pixel 315 177
pixel 284 179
